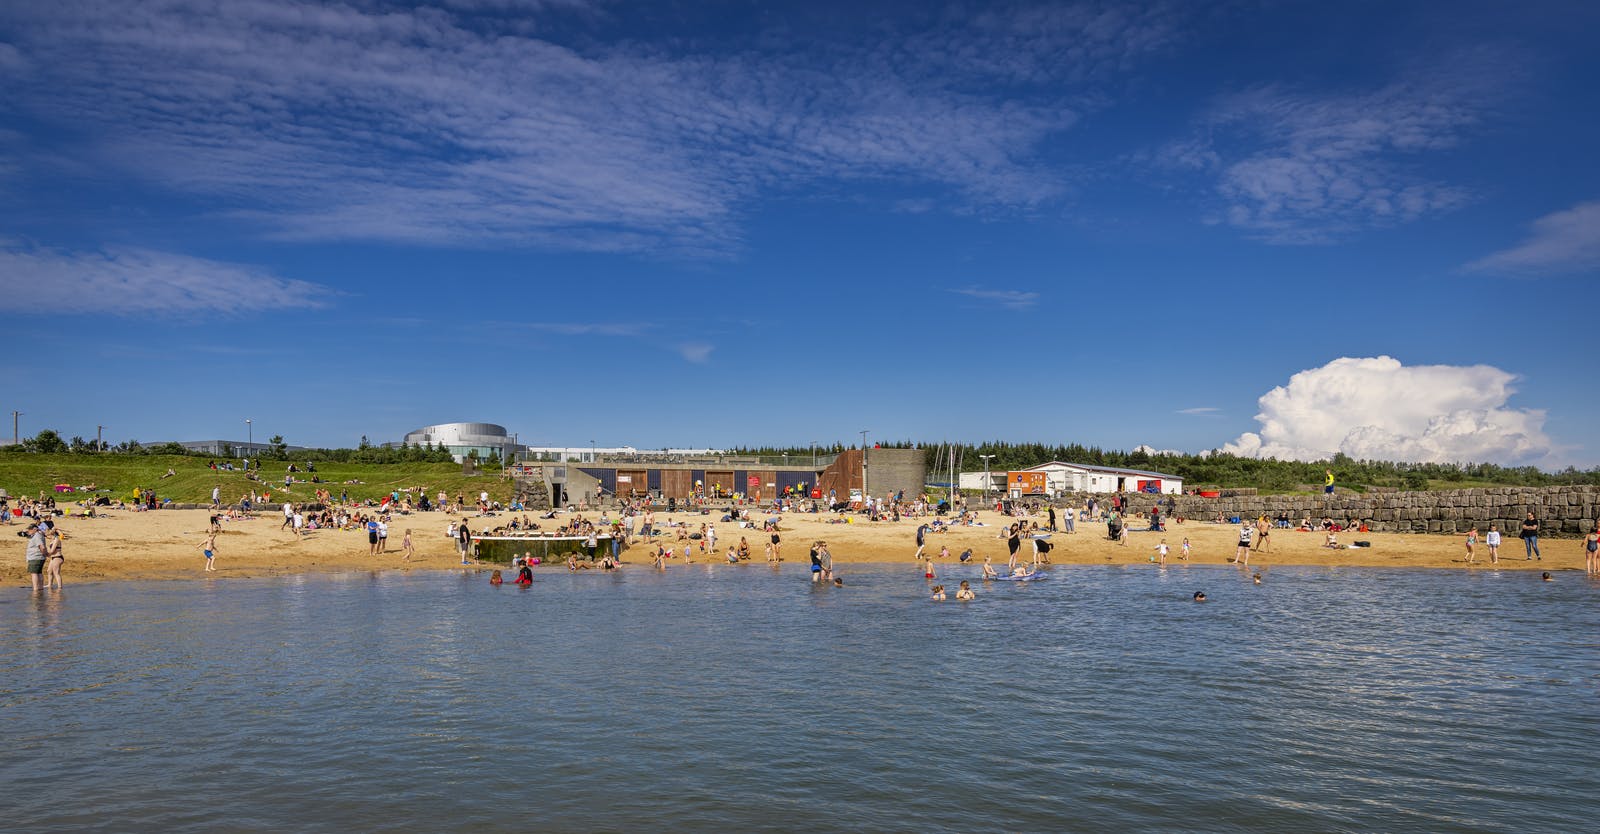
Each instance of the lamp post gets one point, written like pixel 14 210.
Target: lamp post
pixel 813 454
pixel 250 442
pixel 864 465
pixel 987 478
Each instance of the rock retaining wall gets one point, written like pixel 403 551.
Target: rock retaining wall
pixel 1562 511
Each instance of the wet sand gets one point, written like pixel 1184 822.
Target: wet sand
pixel 165 545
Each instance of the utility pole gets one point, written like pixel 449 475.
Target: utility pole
pixel 987 478
pixel 99 432
pixel 16 436
pixel 250 442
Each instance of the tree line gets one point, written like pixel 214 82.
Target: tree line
pixel 50 442
pixel 1220 469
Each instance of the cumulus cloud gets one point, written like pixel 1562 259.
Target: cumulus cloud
pixel 143 282
pixel 1378 409
pixel 380 121
pixel 1566 241
pixel 1010 299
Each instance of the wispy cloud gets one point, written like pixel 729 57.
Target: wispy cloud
pixel 1012 299
pixel 143 282
pixel 1201 412
pixel 427 125
pixel 1565 241
pixel 1298 166
pixel 697 352
pixel 577 328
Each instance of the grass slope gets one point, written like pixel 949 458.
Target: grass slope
pixel 29 474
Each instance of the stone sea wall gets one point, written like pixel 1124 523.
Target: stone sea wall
pixel 1562 511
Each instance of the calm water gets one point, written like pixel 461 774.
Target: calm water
pixel 737 698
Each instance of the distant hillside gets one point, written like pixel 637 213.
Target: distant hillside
pixel 29 473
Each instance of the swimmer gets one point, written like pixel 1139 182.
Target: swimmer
pixel 524 576
pixel 938 593
pixel 1546 576
pixel 988 568
pixel 1199 596
pixel 965 591
pixel 1021 572
pixel 1256 578
pixel 494 578
pixel 837 582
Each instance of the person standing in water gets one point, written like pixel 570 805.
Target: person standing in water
pixel 53 559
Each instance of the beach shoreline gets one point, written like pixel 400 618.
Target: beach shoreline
pixel 165 545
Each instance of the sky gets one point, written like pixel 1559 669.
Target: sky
pixel 1278 228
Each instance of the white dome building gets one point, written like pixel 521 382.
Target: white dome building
pixel 487 439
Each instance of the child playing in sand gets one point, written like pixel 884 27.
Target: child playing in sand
pixel 1493 541
pixel 1472 541
pixel 405 545
pixel 938 593
pixel 1185 554
pixel 210 548
pixel 1333 540
pixel 686 551
pixel 965 592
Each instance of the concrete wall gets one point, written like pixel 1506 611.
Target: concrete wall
pixel 1562 511
pixel 893 470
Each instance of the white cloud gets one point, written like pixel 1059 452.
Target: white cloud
pixel 1011 299
pixel 1294 166
pixel 383 122
pixel 1206 411
pixel 142 282
pixel 1566 241
pixel 1151 450
pixel 1378 409
pixel 696 352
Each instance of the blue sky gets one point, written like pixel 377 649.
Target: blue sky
pixel 1279 228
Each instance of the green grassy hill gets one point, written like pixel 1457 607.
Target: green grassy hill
pixel 29 474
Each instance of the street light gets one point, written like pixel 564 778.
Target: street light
pixel 250 433
pixel 987 478
pixel 864 465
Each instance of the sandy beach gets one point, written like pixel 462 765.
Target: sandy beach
pixel 165 545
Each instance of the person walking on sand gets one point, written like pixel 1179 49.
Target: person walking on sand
pixel 922 540
pixel 288 517
pixel 1472 542
pixel 216 497
pixel 1492 540
pixel 383 536
pixel 372 536
pixel 1242 555
pixel 210 548
pixel 405 545
pixel 1263 530
pixel 53 559
pixel 1530 537
pixel 464 541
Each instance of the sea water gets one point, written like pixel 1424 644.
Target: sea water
pixel 743 698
